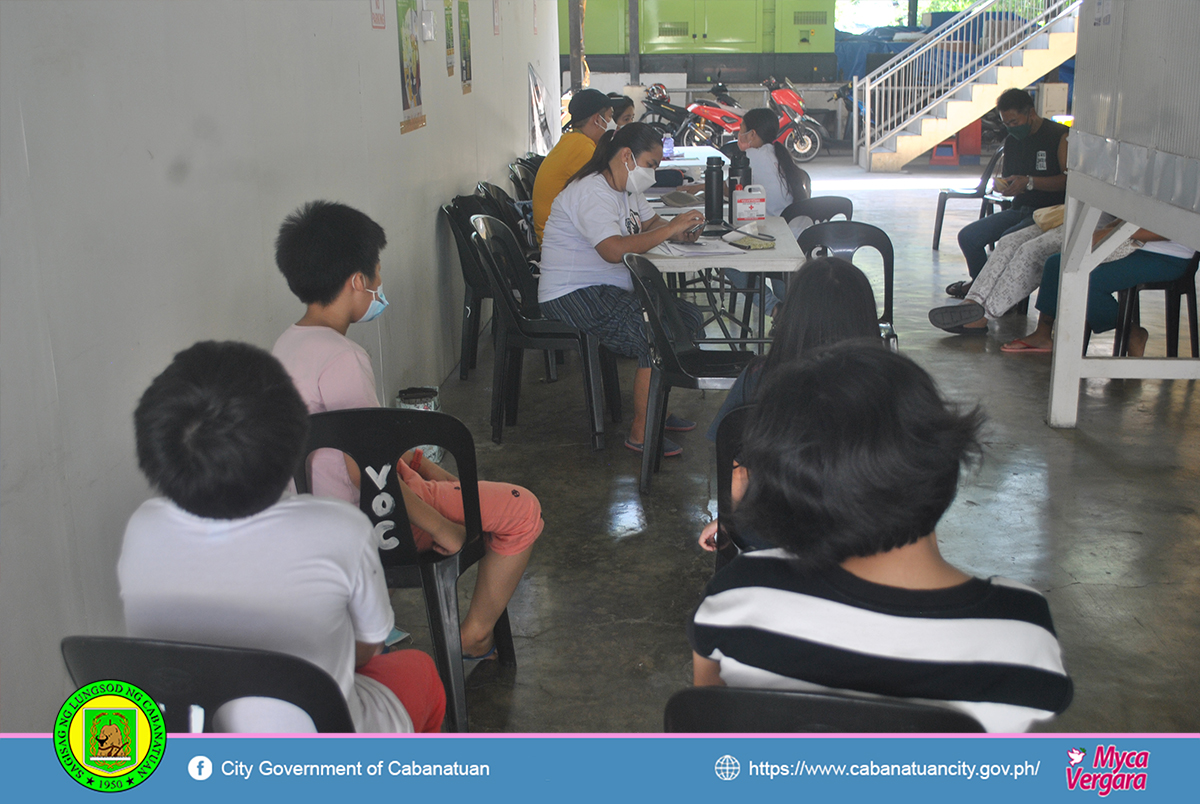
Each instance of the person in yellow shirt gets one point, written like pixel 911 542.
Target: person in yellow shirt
pixel 591 116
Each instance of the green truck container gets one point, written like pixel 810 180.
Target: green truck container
pixel 701 26
pixel 605 28
pixel 741 40
pixel 804 26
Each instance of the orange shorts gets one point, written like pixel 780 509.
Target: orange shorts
pixel 511 515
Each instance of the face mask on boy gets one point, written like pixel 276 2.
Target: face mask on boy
pixel 379 303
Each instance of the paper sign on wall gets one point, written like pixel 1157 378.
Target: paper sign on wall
pixel 464 42
pixel 378 18
pixel 408 24
pixel 495 17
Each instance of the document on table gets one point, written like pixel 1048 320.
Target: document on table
pixel 702 249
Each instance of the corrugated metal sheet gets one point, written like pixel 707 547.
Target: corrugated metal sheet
pixel 1137 97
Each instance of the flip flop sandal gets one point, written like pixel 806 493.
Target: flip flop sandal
pixel 1020 346
pixel 490 654
pixel 670 448
pixel 959 290
pixel 677 424
pixel 952 317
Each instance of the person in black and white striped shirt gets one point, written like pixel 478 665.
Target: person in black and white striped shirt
pixel 848 462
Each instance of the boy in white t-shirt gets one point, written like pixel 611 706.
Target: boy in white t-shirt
pixel 329 254
pixel 221 559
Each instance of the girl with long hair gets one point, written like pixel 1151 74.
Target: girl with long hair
pixel 770 164
pixel 830 300
pixel 784 183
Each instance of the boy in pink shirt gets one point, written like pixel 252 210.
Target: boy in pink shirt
pixel 329 254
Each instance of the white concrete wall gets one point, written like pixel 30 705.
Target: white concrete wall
pixel 149 151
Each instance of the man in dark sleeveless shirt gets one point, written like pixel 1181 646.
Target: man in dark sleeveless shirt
pixel 1035 160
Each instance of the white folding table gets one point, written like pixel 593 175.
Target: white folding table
pixel 785 258
pixel 692 156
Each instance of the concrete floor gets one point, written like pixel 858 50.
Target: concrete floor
pixel 1102 519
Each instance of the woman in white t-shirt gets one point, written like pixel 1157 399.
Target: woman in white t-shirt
pixel 773 169
pixel 598 218
pixel 770 164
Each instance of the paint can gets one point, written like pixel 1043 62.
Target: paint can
pixel 422 397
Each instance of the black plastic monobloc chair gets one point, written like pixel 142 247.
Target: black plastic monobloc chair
pixel 677 361
pixel 521 327
pixel 820 209
pixel 803 187
pixel 723 710
pixel 522 178
pixel 843 239
pixel 477 288
pixel 500 204
pixel 729 446
pixel 375 438
pixel 1176 292
pixel 980 194
pixel 531 160
pixel 182 675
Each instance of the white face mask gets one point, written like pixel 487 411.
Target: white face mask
pixel 640 179
pixel 610 125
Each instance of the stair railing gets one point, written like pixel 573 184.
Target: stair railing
pixel 946 60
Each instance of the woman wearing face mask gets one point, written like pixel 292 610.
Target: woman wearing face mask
pixel 600 216
pixel 591 115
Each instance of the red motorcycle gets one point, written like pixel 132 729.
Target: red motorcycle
pixel 716 123
pixel 809 133
pixel 711 123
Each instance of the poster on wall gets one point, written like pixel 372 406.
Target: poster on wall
pixel 408 23
pixel 449 37
pixel 495 17
pixel 539 126
pixel 464 42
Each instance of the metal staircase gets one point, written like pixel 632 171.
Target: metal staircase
pixel 953 76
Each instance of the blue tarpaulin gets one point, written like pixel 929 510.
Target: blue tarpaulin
pixel 851 52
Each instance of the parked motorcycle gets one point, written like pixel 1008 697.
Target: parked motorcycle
pixel 992 130
pixel 809 134
pixel 715 123
pixel 845 94
pixel 684 125
pixel 661 113
pixel 799 133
